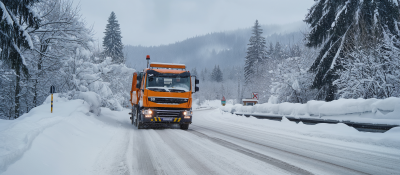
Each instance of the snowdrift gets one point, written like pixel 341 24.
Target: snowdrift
pixel 344 109
pixel 74 131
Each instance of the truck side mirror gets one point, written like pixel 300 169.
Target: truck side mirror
pixel 197 81
pixel 194 82
pixel 137 84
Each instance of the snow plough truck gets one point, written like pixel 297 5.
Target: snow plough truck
pixel 162 95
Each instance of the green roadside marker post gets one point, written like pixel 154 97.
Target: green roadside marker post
pixel 52 91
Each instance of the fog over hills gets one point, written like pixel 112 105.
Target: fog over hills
pixel 220 48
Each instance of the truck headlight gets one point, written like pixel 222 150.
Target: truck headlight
pixel 147 112
pixel 187 117
pixel 188 113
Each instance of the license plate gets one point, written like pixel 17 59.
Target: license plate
pixel 167 119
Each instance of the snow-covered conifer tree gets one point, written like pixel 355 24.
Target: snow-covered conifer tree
pixel 334 21
pixel 372 67
pixel 278 51
pixel 271 50
pixel 194 72
pixel 256 55
pixel 112 40
pixel 216 74
pixel 17 17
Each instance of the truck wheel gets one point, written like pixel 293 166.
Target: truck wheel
pixel 134 116
pixel 138 124
pixel 184 126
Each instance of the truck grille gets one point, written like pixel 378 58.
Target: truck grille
pixel 168 113
pixel 168 100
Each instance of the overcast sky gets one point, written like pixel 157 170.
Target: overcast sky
pixel 155 22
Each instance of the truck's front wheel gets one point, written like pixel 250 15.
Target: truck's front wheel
pixel 138 116
pixel 134 116
pixel 184 126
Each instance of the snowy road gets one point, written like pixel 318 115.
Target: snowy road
pixel 216 143
pixel 221 146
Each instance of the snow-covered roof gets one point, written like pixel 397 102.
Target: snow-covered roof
pixel 168 65
pixel 253 100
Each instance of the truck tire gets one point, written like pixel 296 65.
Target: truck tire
pixel 133 116
pixel 138 124
pixel 184 126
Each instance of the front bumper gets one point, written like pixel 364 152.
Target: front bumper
pixel 167 116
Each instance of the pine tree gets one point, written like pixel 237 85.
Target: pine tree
pixel 278 53
pixel 334 21
pixel 213 75
pixel 219 75
pixel 205 75
pixel 216 74
pixel 371 69
pixel 271 50
pixel 256 54
pixel 194 72
pixel 17 17
pixel 112 40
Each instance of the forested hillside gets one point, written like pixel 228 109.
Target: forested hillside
pixel 219 48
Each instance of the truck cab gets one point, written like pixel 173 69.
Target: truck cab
pixel 162 95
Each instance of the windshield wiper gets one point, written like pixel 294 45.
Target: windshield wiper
pixel 157 89
pixel 176 90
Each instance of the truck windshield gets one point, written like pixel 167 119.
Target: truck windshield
pixel 168 83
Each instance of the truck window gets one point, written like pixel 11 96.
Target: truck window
pixel 171 83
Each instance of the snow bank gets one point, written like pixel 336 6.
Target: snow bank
pixel 379 109
pixel 93 99
pixel 210 104
pixel 17 135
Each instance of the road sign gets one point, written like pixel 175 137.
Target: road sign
pixel 223 101
pixel 52 89
pixel 255 95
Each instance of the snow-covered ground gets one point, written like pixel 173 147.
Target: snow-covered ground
pixel 74 141
pixel 374 111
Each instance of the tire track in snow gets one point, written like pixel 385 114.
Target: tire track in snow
pixel 143 159
pixel 286 151
pixel 187 155
pixel 272 161
pixel 159 156
pixel 215 158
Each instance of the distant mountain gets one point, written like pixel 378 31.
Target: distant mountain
pixel 220 48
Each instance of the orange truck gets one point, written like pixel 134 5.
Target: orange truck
pixel 162 95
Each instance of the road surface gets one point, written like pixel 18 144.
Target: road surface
pixel 216 143
pixel 220 145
